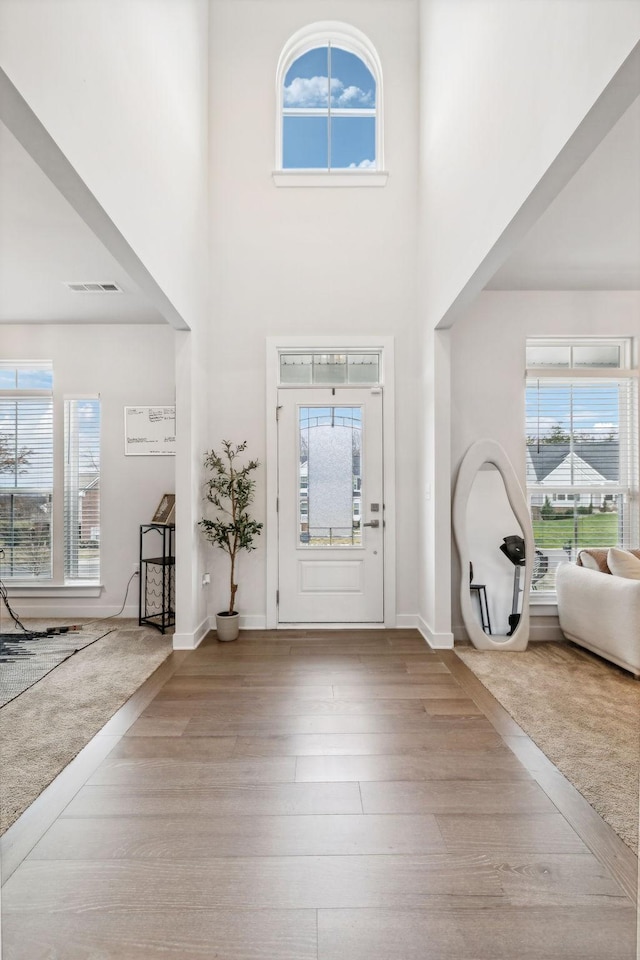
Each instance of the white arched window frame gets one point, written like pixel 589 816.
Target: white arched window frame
pixel 352 40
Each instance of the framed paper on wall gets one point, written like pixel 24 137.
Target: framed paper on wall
pixel 149 431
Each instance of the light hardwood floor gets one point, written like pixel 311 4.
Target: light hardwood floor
pixel 317 796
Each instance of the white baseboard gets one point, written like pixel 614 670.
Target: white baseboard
pixel 189 641
pixel 69 611
pixel 437 641
pixel 543 630
pixel 250 621
pixel 407 621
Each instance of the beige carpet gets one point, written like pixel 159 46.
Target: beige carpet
pixel 44 728
pixel 25 659
pixel 582 712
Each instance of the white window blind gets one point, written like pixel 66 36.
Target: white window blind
pixel 26 470
pixel 82 489
pixel 582 466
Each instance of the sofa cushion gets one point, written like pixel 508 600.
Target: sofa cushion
pixel 624 563
pixel 602 613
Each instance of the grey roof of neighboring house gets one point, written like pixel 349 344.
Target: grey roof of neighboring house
pixel 603 456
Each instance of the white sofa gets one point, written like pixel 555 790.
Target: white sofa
pixel 601 612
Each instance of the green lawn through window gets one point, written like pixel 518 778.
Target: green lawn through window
pixel 584 530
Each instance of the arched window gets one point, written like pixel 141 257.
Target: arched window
pixel 329 88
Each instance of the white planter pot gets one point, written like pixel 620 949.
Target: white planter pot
pixel 227 626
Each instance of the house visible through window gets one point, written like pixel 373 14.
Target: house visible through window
pixel 33 453
pixel 26 471
pixel 582 450
pixel 329 103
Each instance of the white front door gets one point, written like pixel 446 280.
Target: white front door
pixel 330 505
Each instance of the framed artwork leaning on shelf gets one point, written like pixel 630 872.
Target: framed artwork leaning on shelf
pixel 166 509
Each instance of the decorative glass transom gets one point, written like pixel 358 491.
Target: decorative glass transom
pixel 305 369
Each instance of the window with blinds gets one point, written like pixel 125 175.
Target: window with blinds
pixel 82 489
pixel 582 450
pixel 26 470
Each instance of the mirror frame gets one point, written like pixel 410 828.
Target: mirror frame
pixel 479 453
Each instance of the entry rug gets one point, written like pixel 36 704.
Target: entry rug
pixel 584 715
pixel 26 658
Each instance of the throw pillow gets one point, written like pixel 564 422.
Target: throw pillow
pixel 594 559
pixel 622 563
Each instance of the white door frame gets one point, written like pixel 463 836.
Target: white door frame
pixel 331 345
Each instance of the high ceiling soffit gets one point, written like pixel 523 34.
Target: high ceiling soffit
pixel 589 237
pixel 45 244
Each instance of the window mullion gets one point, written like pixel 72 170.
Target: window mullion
pixel 329 108
pixel 571 434
pixel 15 444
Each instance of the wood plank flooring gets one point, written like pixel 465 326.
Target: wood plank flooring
pixel 322 796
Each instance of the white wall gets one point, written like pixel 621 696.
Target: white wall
pixel 488 365
pixel 308 261
pixel 126 366
pixel 433 513
pixel 192 437
pixel 504 84
pixel 121 86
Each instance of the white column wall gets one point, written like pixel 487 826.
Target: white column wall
pixel 504 84
pixel 309 261
pixel 121 87
pixel 434 499
pixel 126 366
pixel 192 438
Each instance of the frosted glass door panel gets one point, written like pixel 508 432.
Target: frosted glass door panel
pixel 329 475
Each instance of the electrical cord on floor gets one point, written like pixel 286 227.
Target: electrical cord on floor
pixel 5 599
pixel 14 616
pixel 50 630
pixel 79 626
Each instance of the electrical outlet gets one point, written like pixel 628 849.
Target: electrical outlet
pixel 136 569
pixel 206 579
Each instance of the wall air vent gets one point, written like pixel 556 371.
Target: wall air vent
pixel 93 287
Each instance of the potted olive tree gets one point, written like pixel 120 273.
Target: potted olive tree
pixel 230 489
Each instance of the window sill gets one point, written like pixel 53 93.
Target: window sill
pixel 54 590
pixel 303 178
pixel 544 606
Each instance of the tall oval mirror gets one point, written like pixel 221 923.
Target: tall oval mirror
pixel 495 544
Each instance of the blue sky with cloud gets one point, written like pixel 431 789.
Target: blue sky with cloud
pixel 317 80
pixel 26 378
pixel 586 410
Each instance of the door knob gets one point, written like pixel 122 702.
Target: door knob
pixel 372 523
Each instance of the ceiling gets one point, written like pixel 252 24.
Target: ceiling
pixel 45 243
pixel 588 239
pixel 589 236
